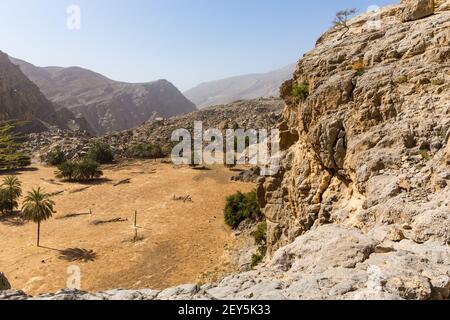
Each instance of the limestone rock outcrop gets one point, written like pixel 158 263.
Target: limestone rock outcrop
pixel 367 146
pixel 332 262
pixel 417 9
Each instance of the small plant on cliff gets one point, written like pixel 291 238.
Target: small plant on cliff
pixel 37 207
pixel 342 17
pixel 424 154
pixel 241 206
pixel 260 236
pixel 359 68
pixel 101 153
pixel 54 157
pixel 300 92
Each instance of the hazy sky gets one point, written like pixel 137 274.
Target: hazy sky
pixel 184 41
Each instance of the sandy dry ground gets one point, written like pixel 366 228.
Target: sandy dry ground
pixel 181 240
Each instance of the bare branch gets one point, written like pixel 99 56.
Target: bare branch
pixel 342 17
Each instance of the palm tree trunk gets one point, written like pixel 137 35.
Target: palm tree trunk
pixel 38 233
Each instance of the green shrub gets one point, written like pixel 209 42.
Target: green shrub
pixel 424 154
pixel 260 236
pixel 241 206
pixel 5 201
pixel 11 191
pixel 83 170
pixel 54 157
pixel 300 92
pixel 256 259
pixel 145 151
pixel 66 170
pixel 101 153
pixel 11 156
pixel 87 169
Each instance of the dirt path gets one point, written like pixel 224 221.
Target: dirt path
pixel 181 240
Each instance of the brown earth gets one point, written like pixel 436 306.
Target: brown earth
pixel 181 240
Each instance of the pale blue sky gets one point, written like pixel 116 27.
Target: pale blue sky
pixel 184 41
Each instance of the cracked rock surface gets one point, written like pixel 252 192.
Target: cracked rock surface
pixel 330 262
pixel 369 146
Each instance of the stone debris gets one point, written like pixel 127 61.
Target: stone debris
pixel 255 114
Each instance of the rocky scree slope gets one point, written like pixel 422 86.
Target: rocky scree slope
pixel 256 114
pixel 360 209
pixel 106 104
pixel 21 99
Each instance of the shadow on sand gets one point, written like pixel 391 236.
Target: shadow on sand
pixel 18 171
pixel 12 219
pixel 74 254
pixel 77 254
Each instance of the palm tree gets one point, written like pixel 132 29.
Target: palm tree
pixel 14 188
pixel 37 207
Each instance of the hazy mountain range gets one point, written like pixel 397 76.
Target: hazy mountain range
pixel 79 98
pixel 107 105
pixel 241 87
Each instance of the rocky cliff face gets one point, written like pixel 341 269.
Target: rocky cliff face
pixel 107 105
pixel 21 99
pixel 367 146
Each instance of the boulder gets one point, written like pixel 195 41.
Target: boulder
pixel 417 9
pixel 329 246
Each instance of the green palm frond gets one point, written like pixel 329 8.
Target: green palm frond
pixel 37 206
pixel 13 185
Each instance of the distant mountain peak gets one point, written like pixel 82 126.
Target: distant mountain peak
pixel 21 100
pixel 106 104
pixel 249 86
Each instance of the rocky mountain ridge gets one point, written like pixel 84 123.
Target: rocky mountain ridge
pixel 243 87
pixel 21 100
pixel 256 114
pixel 107 105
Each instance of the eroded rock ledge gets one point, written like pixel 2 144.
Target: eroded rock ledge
pixel 330 262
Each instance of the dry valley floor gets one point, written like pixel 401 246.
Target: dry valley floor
pixel 178 240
